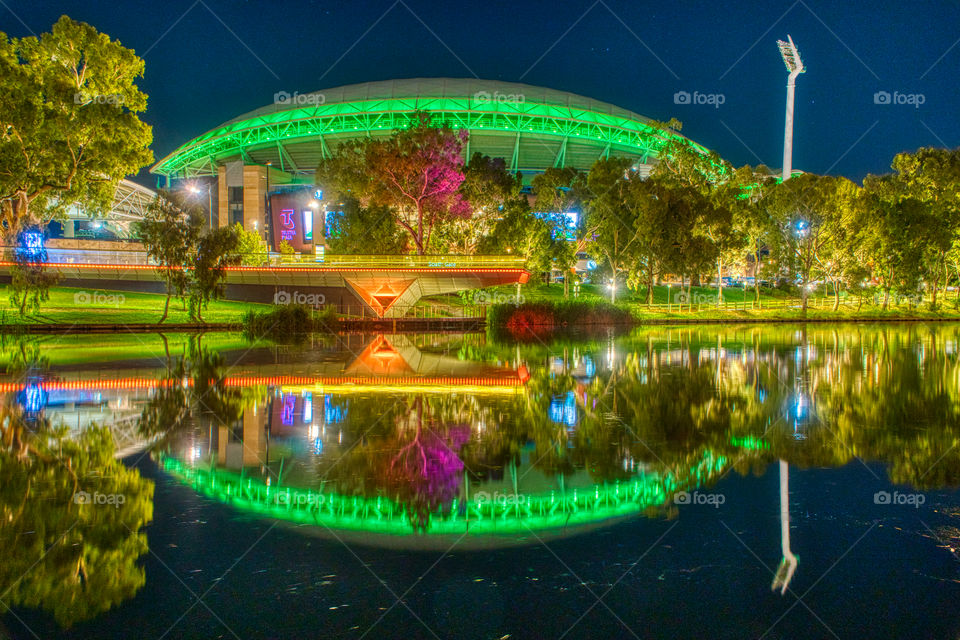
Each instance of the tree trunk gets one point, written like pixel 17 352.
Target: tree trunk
pixel 836 295
pixel 166 308
pixel 719 281
pixel 650 287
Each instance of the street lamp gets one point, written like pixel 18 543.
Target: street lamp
pixel 195 190
pixel 791 58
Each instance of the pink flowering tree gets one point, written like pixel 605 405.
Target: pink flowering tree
pixel 415 174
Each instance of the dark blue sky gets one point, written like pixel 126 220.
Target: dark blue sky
pixel 210 60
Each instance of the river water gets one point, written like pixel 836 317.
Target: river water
pixel 693 482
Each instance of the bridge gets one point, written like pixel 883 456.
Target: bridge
pixel 372 286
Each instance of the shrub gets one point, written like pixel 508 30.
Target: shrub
pixel 289 321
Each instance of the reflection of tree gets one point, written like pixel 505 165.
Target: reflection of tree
pixel 70 517
pixel 410 452
pixel 194 387
pixel 425 472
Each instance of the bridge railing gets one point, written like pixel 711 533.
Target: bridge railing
pixel 122 256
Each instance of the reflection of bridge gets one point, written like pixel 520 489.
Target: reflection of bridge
pixel 379 286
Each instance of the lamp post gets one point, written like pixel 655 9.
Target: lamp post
pixel 791 58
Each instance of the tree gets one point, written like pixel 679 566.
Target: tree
pixel 69 130
pixel 932 177
pixel 250 246
pixel 558 191
pixel 170 230
pixel 359 230
pixel 415 173
pixel 751 216
pixel 30 281
pixel 612 216
pixel 217 250
pixel 520 232
pixel 808 213
pixel 714 237
pixel 487 186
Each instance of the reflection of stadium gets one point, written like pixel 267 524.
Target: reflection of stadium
pixel 263 161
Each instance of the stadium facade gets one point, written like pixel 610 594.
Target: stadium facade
pixel 258 167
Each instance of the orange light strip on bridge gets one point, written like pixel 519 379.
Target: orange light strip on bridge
pixel 150 267
pixel 344 383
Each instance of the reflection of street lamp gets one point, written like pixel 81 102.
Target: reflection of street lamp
pixel 791 58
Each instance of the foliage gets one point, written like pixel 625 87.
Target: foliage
pixel 170 230
pixel 289 321
pixel 250 246
pixel 217 250
pixel 30 281
pixel 488 187
pixel 63 550
pixel 69 130
pixel 415 173
pixel 359 230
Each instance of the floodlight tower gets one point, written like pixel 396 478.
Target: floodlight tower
pixel 791 58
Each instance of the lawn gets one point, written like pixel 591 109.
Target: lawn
pixel 83 306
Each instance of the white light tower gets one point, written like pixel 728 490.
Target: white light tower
pixel 791 58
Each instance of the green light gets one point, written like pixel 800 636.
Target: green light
pixel 630 135
pixel 750 442
pixel 481 516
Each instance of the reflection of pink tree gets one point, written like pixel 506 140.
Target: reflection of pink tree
pixel 426 472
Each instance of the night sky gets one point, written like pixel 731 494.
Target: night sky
pixel 210 60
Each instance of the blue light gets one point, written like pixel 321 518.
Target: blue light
pixel 286 410
pixel 307 407
pixel 31 246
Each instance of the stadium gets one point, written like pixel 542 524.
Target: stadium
pixel 258 167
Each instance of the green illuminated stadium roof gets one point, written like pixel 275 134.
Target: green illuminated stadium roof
pixel 531 127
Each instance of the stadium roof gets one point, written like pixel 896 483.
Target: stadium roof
pixel 533 128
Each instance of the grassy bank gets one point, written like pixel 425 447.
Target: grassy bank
pixel 68 306
pixel 701 305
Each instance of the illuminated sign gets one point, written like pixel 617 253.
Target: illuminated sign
pixel 307 225
pixel 288 228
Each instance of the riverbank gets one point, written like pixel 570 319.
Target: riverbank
pixel 81 311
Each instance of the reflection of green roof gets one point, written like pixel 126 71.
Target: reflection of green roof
pixel 533 128
pixel 482 515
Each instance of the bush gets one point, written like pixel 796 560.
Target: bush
pixel 532 318
pixel 289 321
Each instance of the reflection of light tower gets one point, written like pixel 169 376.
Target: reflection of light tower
pixel 791 58
pixel 789 562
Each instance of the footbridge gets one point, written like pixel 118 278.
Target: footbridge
pixel 374 285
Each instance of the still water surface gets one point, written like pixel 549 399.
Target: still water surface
pixel 723 482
